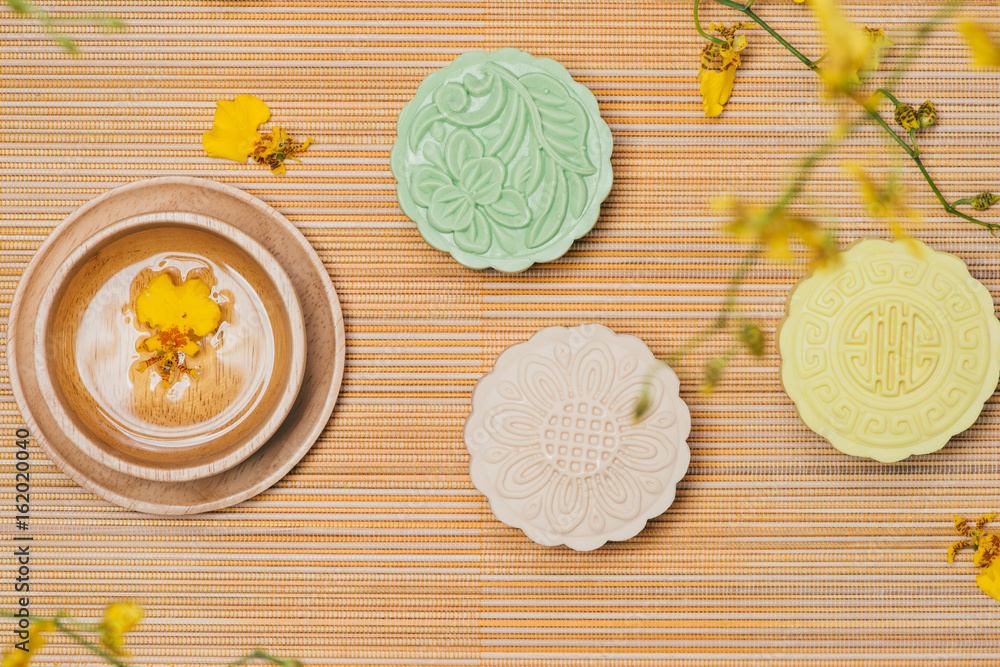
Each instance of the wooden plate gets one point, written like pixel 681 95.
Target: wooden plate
pixel 122 414
pixel 324 339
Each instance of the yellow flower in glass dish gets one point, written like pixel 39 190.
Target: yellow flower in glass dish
pixel 187 307
pixel 890 351
pixel 181 314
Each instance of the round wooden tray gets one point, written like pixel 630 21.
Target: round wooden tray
pixel 325 341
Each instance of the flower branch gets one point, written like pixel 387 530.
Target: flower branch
pixel 948 9
pixel 108 642
pixel 772 227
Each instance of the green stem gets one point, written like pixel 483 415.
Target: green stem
pixel 734 284
pixel 694 341
pixel 92 647
pixel 701 31
pixel 746 11
pixel 881 122
pixel 891 97
pixel 263 655
pixel 950 208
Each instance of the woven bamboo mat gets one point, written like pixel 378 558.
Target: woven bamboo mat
pixel 376 549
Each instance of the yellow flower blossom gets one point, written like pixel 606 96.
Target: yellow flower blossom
pixel 985 52
pixel 275 147
pixel 234 135
pixel 119 618
pixel 181 314
pixel 887 202
pixel 16 657
pixel 848 48
pixel 719 63
pixel 878 41
pixel 775 233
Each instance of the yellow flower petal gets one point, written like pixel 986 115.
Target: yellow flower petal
pixel 187 307
pixel 848 47
pixel 36 640
pixel 716 87
pixel 879 42
pixel 985 53
pixel 234 134
pixel 989 580
pixel 119 618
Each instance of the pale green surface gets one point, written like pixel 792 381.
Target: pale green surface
pixel 502 159
pixel 891 351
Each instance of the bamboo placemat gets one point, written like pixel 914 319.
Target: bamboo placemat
pixel 376 549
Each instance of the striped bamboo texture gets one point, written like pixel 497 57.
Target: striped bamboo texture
pixel 376 549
